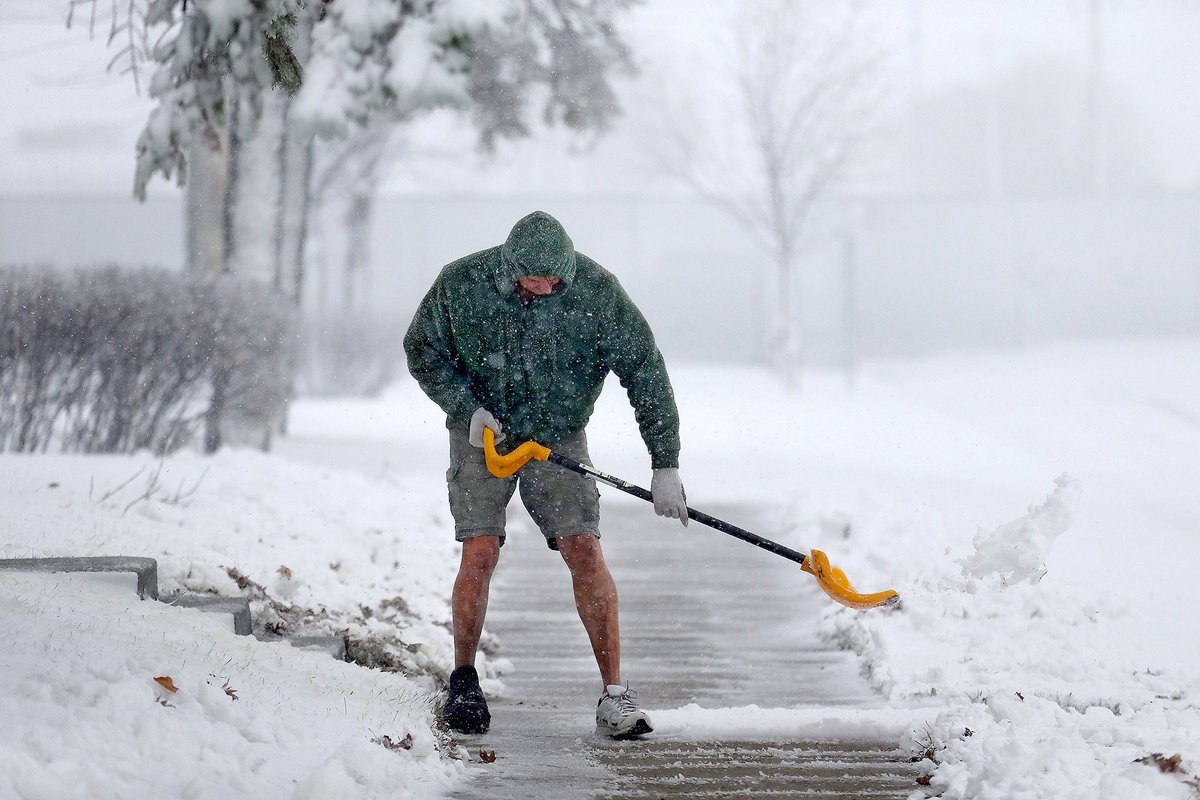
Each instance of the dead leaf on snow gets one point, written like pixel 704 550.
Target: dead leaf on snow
pixel 284 571
pixel 1164 763
pixel 395 744
pixel 487 756
pixel 166 682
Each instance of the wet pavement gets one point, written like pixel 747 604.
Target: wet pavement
pixel 705 619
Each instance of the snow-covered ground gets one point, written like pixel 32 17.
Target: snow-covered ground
pixel 318 551
pixel 1036 510
pixel 84 716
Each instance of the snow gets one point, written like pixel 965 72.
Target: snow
pixel 1062 637
pixel 1036 511
pixel 916 479
pixel 1059 638
pixel 366 555
pixel 84 717
pixel 1014 551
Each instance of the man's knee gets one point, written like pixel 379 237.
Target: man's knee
pixel 480 555
pixel 581 551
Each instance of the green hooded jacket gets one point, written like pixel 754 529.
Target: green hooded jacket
pixel 539 364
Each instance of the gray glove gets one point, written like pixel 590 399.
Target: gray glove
pixel 479 420
pixel 669 498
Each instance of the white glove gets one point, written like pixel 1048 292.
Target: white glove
pixel 669 498
pixel 482 418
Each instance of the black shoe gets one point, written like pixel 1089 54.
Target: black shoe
pixel 466 709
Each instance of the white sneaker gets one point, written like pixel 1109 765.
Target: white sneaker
pixel 618 715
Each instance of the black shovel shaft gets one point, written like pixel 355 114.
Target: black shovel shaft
pixel 699 516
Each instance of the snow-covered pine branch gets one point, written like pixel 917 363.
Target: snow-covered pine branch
pixel 209 53
pixel 378 57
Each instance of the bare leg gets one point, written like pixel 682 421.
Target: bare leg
pixel 596 601
pixel 470 600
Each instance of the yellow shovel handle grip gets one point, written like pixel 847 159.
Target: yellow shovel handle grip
pixel 503 466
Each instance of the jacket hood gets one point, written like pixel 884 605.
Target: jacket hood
pixel 537 245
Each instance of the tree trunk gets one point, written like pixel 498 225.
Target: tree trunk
pixel 205 205
pixel 231 182
pixel 786 346
pixel 256 187
pixel 358 229
pixel 295 204
pixel 251 206
pixel 295 156
pixel 216 411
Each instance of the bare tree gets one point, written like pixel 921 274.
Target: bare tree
pixel 352 169
pixel 802 82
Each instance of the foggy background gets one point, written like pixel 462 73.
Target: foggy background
pixel 1024 172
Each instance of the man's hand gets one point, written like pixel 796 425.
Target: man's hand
pixel 482 418
pixel 669 499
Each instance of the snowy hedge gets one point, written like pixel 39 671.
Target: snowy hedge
pixel 113 360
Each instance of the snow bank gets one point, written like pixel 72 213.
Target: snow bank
pixel 318 551
pixel 1013 552
pixel 85 718
pixel 1082 606
pixel 1047 698
pixel 1014 745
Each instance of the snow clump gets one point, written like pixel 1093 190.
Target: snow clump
pixel 1015 551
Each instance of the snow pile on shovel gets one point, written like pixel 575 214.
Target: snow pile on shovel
pixel 1044 700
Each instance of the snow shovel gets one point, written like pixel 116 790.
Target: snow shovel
pixel 830 578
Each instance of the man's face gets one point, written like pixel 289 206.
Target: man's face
pixel 539 284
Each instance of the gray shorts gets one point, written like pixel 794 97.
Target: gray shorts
pixel 561 502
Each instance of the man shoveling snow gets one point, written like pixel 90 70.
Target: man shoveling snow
pixel 519 339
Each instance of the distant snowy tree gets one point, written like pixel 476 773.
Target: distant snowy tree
pixel 803 83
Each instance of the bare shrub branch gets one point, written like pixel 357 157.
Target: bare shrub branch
pixel 108 361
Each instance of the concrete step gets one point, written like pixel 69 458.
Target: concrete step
pixel 146 569
pixel 239 607
pixel 333 646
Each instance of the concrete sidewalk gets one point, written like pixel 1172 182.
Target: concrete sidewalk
pixel 705 619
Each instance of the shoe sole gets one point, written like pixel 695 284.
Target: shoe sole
pixel 640 728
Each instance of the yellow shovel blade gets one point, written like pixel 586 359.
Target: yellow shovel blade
pixel 838 586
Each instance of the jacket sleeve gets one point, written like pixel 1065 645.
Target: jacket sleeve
pixel 433 361
pixel 631 353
